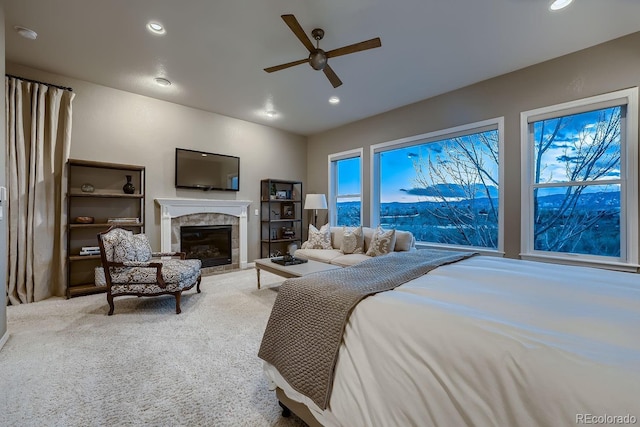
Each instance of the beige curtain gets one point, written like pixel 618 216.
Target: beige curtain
pixel 38 141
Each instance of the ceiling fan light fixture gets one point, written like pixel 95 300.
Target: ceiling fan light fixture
pixel 560 4
pixel 25 32
pixel 318 59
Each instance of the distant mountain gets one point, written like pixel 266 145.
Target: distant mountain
pixel 590 201
pixel 451 191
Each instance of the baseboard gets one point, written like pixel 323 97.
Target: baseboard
pixel 4 339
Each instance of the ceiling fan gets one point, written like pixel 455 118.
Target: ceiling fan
pixel 318 57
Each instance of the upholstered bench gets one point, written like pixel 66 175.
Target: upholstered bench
pixel 345 246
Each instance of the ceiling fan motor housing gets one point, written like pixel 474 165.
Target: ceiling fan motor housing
pixel 318 59
pixel 317 33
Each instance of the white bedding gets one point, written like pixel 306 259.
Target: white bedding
pixel 490 342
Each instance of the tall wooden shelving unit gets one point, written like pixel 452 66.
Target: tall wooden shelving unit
pixel 107 200
pixel 280 206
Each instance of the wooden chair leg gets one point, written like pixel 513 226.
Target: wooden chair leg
pixel 178 294
pixel 110 301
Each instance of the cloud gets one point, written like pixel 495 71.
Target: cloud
pixel 450 191
pixel 568 159
pixel 429 191
pixel 562 146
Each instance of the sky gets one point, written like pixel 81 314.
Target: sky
pixel 577 130
pixel 349 176
pixel 399 174
pixel 398 168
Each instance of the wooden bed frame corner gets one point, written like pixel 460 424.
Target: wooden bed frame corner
pixel 297 408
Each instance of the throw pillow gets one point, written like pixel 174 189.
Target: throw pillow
pixel 352 241
pixel 404 241
pixel 111 240
pixel 143 248
pixel 319 239
pixel 134 247
pixel 382 243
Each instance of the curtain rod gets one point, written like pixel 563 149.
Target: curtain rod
pixel 43 83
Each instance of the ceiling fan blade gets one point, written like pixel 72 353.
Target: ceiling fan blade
pixel 357 47
pixel 292 22
pixel 331 75
pixel 287 65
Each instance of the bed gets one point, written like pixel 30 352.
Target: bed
pixel 485 341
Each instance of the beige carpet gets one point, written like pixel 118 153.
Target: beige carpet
pixel 67 363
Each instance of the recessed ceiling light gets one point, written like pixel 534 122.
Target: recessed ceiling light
pixel 334 100
pixel 156 28
pixel 560 4
pixel 162 81
pixel 26 32
pixel 271 113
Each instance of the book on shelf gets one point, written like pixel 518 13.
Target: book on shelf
pixel 90 248
pixel 121 220
pixel 83 253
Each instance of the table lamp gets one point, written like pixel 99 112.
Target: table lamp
pixel 315 202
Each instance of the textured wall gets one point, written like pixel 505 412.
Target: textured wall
pixel 604 68
pixel 115 126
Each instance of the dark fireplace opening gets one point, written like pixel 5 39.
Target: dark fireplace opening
pixel 211 244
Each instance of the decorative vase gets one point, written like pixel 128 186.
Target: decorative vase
pixel 129 188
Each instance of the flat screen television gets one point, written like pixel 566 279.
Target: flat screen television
pixel 207 171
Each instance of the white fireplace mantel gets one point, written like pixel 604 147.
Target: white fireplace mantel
pixel 175 207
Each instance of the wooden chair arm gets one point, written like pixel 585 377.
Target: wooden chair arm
pixel 181 255
pixel 141 264
pixel 128 264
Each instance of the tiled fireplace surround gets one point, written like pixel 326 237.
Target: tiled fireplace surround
pixel 177 212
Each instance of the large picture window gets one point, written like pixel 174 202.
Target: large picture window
pixel 345 188
pixel 580 186
pixel 444 187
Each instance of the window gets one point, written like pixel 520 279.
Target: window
pixel 444 186
pixel 579 189
pixel 345 188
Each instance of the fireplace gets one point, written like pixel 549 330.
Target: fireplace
pixel 178 212
pixel 211 244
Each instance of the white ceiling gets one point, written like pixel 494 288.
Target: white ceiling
pixel 214 51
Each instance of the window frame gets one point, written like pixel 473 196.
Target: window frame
pixel 496 123
pixel 333 196
pixel 628 259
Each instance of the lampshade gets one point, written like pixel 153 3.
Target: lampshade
pixel 315 201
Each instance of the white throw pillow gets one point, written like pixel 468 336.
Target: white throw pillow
pixel 382 243
pixel 404 241
pixel 319 239
pixel 352 241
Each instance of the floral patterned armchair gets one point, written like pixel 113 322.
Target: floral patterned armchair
pixel 130 268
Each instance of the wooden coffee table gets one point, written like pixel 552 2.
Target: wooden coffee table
pixel 289 271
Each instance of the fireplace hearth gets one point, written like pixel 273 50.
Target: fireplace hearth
pixel 211 244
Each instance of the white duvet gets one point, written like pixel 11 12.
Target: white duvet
pixel 490 342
